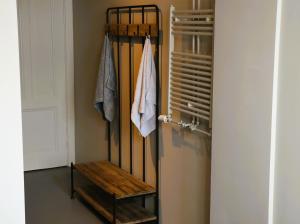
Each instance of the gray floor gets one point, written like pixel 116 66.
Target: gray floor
pixel 48 200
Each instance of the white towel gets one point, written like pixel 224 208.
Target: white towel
pixel 143 113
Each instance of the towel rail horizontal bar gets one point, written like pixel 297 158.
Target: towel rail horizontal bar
pixel 192 82
pixel 201 56
pixel 203 106
pixel 197 61
pixel 193 33
pixel 193 22
pixel 208 74
pixel 191 16
pixel 190 112
pixel 188 65
pixel 194 11
pixel 193 93
pixel 191 109
pixel 192 28
pixel 191 87
pixel 195 99
pixel 191 76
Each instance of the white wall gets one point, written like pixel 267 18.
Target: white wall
pixel 11 159
pixel 287 180
pixel 243 88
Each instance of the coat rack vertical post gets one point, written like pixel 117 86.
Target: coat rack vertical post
pixel 130 93
pixel 114 192
pixel 108 123
pixel 119 89
pixel 144 139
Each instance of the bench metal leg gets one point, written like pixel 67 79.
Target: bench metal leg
pixel 72 181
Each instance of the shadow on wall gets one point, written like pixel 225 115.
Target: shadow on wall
pixel 182 140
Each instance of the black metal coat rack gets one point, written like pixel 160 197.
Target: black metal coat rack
pixel 130 33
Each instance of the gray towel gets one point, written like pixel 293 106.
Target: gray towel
pixel 106 84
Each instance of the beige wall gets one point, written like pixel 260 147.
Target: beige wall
pixel 184 157
pixel 88 33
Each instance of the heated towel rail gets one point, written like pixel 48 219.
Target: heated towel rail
pixel 191 71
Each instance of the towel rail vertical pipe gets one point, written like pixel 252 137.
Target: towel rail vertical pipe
pixel 198 48
pixel 171 49
pixel 195 43
pixel 212 78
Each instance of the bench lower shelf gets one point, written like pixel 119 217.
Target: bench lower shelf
pixel 126 213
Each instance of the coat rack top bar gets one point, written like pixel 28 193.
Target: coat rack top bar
pixel 133 9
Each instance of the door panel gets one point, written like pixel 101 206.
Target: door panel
pixel 40 122
pixel 43 81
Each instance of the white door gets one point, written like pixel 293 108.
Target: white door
pixel 43 81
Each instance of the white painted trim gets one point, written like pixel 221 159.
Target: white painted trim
pixel 274 113
pixel 70 91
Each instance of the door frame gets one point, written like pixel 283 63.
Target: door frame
pixel 70 82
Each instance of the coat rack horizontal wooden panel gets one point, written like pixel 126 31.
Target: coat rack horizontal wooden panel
pixel 132 30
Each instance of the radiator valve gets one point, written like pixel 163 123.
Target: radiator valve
pixel 165 118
